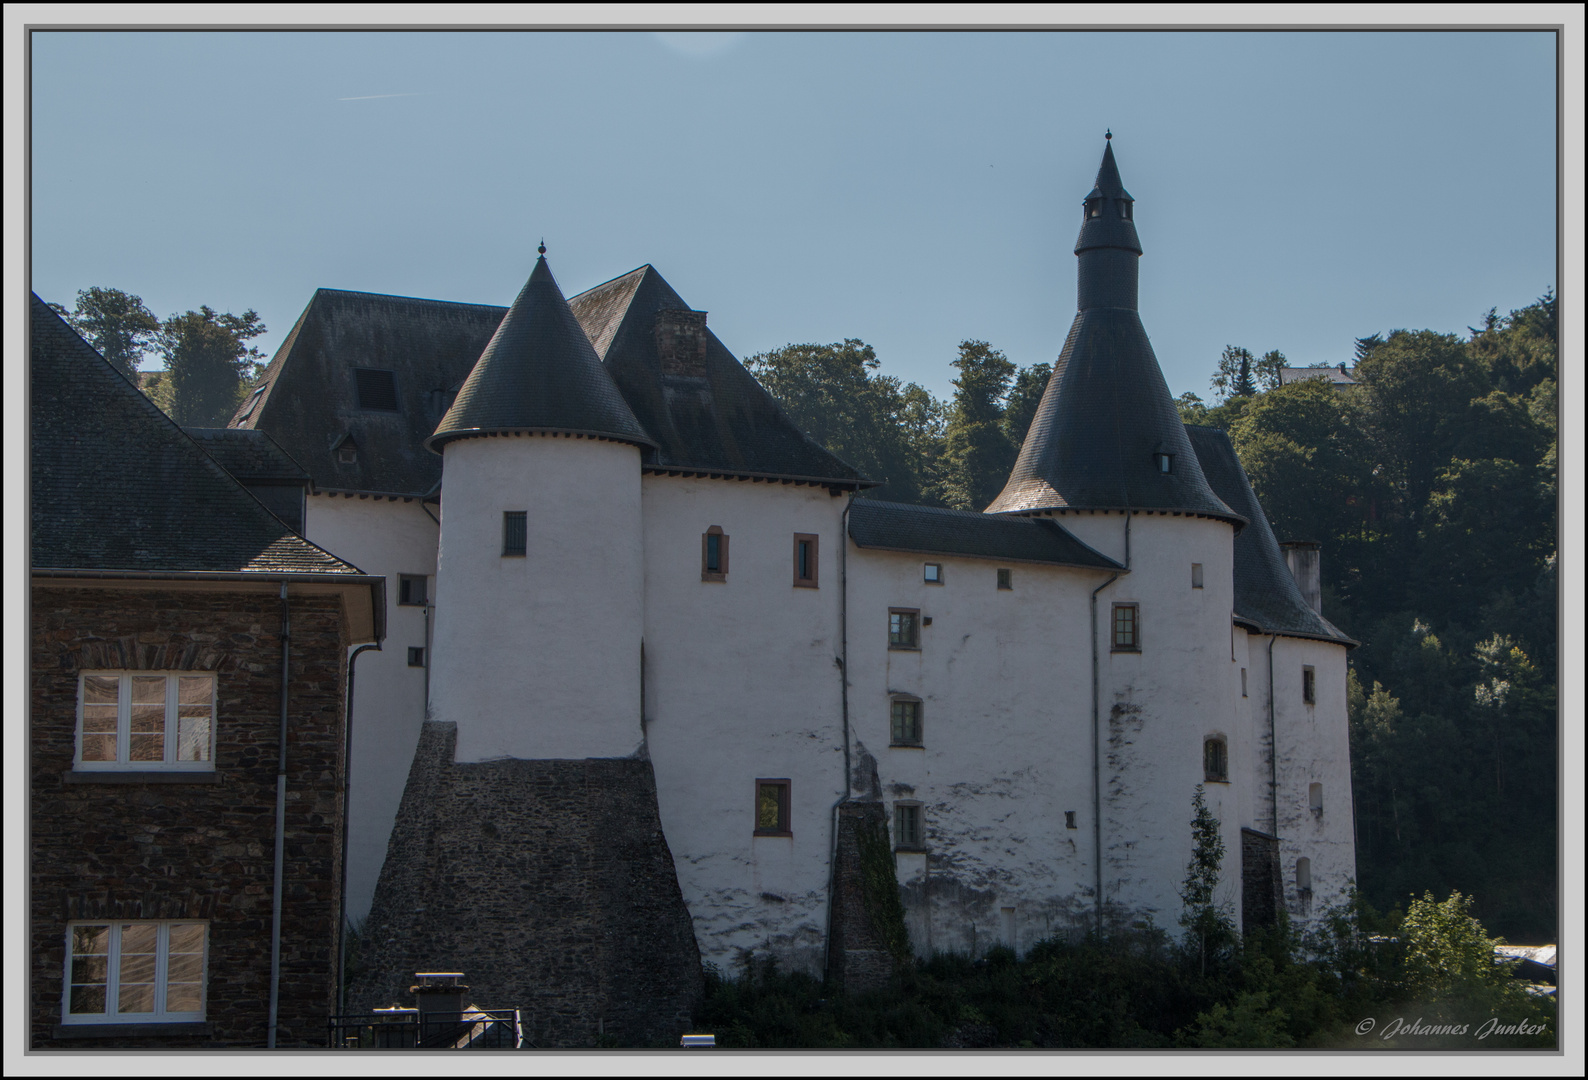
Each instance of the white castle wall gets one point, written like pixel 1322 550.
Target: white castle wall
pixel 741 683
pixel 386 537
pixel 1004 677
pixel 538 657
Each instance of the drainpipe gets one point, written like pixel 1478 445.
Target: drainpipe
pixel 347 802
pixel 281 826
pixel 1273 743
pixel 1097 749
pixel 843 697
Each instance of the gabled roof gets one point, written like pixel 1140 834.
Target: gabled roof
pixel 1266 593
pixel 722 421
pixel 539 373
pixel 118 487
pixel 249 455
pixel 310 403
pixel 932 530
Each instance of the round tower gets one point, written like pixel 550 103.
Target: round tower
pixel 539 579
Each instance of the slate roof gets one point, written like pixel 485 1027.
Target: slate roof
pixel 1335 376
pixel 1107 411
pixel 1110 228
pixel 1265 592
pixel 309 401
pixel 249 455
pixel 118 487
pixel 935 531
pixel 539 373
pixel 722 422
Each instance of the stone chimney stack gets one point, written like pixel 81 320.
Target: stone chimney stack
pixel 681 342
pixel 1302 556
pixel 439 992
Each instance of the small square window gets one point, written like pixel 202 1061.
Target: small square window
pixel 411 589
pixel 1069 820
pixel 1127 628
pixel 804 561
pixel 134 972
pixel 933 573
pixel 416 656
pixel 145 720
pixel 907 834
pixel 714 555
pixel 904 628
pixel 1196 575
pixel 1006 579
pixel 1215 761
pixel 515 532
pixel 1309 686
pixel 905 722
pixel 772 808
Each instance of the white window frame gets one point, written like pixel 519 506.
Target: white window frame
pixel 123 762
pixel 112 1015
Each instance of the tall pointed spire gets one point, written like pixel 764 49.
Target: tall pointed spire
pixel 1107 435
pixel 539 374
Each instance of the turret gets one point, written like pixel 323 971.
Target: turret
pixel 539 579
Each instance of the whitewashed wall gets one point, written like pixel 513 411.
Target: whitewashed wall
pixel 1004 677
pixel 741 683
pixel 390 538
pixel 538 657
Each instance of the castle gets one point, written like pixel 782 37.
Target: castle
pixel 655 665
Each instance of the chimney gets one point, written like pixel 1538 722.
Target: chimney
pixel 681 342
pixel 439 992
pixel 1302 556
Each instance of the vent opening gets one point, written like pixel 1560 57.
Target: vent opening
pixel 377 389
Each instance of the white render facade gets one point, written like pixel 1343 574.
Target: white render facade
pixel 664 608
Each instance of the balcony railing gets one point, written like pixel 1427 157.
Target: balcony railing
pixel 408 1029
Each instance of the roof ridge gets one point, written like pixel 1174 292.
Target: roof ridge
pixel 406 299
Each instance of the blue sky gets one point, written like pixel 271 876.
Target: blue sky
pixel 1294 189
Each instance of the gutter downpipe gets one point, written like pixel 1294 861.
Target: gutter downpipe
pixel 281 823
pixel 1273 743
pixel 843 683
pixel 1097 750
pixel 347 801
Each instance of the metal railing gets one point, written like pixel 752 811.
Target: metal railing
pixel 407 1029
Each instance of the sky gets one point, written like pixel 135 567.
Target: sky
pixel 1294 190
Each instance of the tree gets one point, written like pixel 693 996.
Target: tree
pixel 977 453
pixel 116 324
pixel 1267 369
pixel 1020 407
pixel 1207 923
pixel 1233 377
pixel 1448 953
pixel 207 360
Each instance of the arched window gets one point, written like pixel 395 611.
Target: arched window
pixel 1304 876
pixel 1215 760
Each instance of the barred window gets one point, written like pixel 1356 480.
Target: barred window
pixel 1127 628
pixel 905 721
pixel 515 532
pixel 145 720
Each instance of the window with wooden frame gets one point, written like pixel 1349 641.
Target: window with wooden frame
pixel 904 628
pixel 1309 686
pixel 908 835
pixel 133 720
pixel 412 591
pixel 1215 760
pixel 933 573
pixel 134 972
pixel 904 721
pixel 714 554
pixel 515 532
pixel 1127 628
pixel 772 808
pixel 804 560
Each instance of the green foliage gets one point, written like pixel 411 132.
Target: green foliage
pixel 1247 1022
pixel 879 888
pixel 116 324
pixel 977 454
pixel 1447 952
pixel 208 363
pixel 1020 407
pixel 1208 924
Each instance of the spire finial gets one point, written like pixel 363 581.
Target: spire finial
pixel 542 248
pixel 1108 134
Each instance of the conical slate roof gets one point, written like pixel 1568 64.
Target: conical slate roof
pixel 1096 440
pixel 1265 591
pixel 539 373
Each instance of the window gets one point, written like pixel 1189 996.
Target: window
pixel 347 451
pixel 933 574
pixel 905 721
pixel 771 808
pixel 904 628
pixel 1309 686
pixel 1215 760
pixel 1094 208
pixel 142 720
pixel 1127 628
pixel 1315 799
pixel 1196 575
pixel 1304 876
pixel 377 389
pixel 714 555
pixel 1125 209
pixel 1164 463
pixel 411 589
pixel 804 561
pixel 515 532
pixel 416 656
pixel 907 827
pixel 1243 682
pixel 134 972
pixel 1006 579
pixel 1069 820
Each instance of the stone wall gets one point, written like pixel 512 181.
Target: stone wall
pixel 549 884
pixel 858 956
pixel 156 850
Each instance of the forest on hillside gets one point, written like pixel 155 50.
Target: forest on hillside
pixel 1431 485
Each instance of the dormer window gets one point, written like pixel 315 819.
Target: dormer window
pixel 346 451
pixel 1094 208
pixel 1164 463
pixel 1124 208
